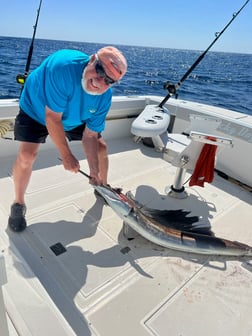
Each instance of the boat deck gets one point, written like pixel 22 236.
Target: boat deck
pixel 73 272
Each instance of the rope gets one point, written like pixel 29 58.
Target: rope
pixel 5 126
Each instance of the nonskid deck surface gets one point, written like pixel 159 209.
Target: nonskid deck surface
pixel 103 284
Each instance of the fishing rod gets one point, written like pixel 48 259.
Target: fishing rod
pixel 172 88
pixel 115 190
pixel 22 77
pixel 5 125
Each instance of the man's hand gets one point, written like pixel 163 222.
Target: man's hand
pixel 95 179
pixel 70 163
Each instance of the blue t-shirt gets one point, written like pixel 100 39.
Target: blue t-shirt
pixel 56 83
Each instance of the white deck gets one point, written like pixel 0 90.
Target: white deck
pixel 106 285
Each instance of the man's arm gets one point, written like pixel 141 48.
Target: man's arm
pixel 90 145
pixel 57 134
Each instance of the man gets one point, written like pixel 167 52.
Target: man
pixel 67 96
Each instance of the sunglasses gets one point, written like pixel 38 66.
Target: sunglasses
pixel 101 72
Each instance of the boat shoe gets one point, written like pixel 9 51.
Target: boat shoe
pixel 17 220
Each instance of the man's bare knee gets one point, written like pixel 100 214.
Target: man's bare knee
pixel 27 155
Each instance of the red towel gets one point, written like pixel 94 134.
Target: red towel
pixel 204 169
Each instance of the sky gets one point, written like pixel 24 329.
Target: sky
pixel 179 24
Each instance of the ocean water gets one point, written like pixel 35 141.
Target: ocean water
pixel 220 79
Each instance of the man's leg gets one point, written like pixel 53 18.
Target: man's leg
pixel 22 170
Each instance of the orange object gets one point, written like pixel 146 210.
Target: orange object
pixel 204 169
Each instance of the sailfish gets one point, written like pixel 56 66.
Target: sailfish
pixel 172 229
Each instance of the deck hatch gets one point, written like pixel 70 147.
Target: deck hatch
pixel 58 249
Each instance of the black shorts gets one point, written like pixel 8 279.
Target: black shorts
pixel 29 130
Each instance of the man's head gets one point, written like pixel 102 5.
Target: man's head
pixel 105 68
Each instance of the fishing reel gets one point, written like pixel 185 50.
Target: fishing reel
pixel 171 88
pixel 21 78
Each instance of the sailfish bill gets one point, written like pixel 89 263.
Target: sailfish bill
pixel 172 229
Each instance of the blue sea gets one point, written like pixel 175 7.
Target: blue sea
pixel 221 79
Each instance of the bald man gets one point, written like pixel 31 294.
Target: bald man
pixel 68 97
